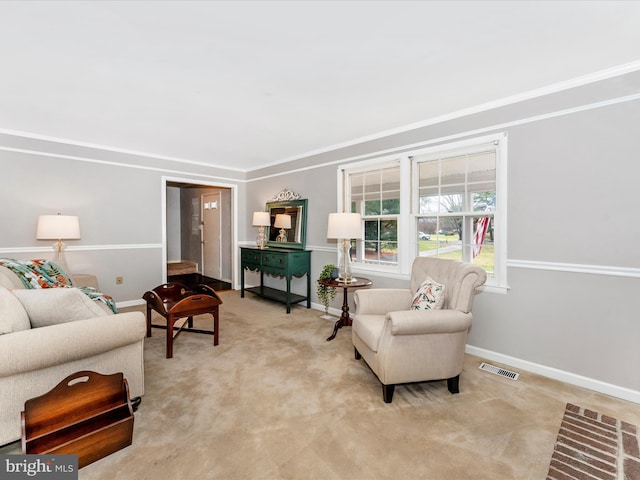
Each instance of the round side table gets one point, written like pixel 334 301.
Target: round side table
pixel 345 319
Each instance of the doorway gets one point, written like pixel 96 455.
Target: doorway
pixel 198 232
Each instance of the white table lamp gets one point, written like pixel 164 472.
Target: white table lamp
pixel 261 220
pixel 344 227
pixel 58 227
pixel 283 222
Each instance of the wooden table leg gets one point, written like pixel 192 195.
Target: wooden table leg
pixel 345 319
pixel 148 320
pixel 215 326
pixel 170 322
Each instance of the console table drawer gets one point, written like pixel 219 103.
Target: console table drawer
pixel 275 261
pixel 250 257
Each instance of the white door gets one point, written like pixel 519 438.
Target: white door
pixel 211 235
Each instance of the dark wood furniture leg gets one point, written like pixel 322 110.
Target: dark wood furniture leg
pixel 345 319
pixel 148 320
pixel 170 335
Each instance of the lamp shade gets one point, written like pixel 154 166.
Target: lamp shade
pixel 58 227
pixel 282 221
pixel 344 225
pixel 261 219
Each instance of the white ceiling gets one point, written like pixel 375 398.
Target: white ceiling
pixel 245 84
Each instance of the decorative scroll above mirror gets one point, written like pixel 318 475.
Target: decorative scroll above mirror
pixel 288 203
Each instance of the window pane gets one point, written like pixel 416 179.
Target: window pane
pixel 482 167
pixel 483 201
pixel 454 171
pixel 389 252
pixel 482 247
pixel 450 228
pixel 451 203
pixel 371 230
pixel 429 173
pixel 428 202
pixel 371 251
pixel 381 241
pixel 389 230
pixel 372 207
pixel 391 206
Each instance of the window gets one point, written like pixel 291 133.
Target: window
pixel 447 201
pixel 375 195
pixel 456 205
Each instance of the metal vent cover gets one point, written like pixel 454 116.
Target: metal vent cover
pixel 499 371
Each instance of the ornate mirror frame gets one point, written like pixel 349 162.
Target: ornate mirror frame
pixel 297 234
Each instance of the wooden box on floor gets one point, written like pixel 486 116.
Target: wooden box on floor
pixel 87 414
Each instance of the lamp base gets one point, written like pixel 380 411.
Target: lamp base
pixel 59 257
pixel 344 263
pixel 261 241
pixel 282 237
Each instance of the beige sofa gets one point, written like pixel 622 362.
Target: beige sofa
pixel 47 334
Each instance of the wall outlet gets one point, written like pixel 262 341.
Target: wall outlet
pixel 119 280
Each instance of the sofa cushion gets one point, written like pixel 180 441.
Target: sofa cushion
pixel 13 316
pixel 430 296
pixel 8 279
pixel 50 306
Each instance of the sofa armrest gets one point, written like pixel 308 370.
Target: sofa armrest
pixel 38 348
pixel 379 301
pixel 418 322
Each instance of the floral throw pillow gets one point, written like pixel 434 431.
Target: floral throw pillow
pixel 430 296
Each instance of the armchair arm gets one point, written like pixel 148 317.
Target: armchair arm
pixel 38 348
pixel 379 301
pixel 418 322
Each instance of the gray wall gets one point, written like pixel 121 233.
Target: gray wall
pixel 117 196
pixel 573 261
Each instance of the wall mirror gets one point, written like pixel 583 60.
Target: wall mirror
pixel 294 237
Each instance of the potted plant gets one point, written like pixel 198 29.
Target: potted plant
pixel 325 293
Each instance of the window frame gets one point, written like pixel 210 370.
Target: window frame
pixel 409 201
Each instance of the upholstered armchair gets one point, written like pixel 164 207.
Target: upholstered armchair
pixel 405 345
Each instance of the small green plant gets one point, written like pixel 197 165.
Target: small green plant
pixel 325 293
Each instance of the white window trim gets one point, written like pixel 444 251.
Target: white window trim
pixel 408 196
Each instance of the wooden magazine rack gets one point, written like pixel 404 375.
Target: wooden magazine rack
pixel 87 414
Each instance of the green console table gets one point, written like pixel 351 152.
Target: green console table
pixel 278 262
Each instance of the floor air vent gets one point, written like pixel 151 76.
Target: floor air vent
pixel 499 371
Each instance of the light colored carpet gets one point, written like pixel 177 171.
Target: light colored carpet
pixel 275 400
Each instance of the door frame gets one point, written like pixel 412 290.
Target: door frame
pixel 234 219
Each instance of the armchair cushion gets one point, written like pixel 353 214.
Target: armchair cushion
pixel 369 329
pixel 430 296
pixel 50 306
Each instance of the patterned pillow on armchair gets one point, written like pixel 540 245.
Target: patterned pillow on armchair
pixel 430 296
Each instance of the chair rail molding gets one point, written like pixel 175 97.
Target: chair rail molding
pixel 71 248
pixel 610 270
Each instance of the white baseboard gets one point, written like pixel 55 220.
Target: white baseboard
pixel 563 376
pixel 130 303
